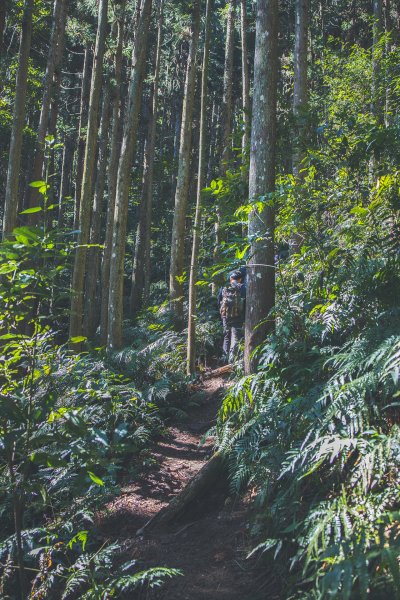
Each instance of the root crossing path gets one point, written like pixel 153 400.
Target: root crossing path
pixel 210 541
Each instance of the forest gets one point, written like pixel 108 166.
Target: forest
pixel 162 434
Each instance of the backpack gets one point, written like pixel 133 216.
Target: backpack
pixel 231 305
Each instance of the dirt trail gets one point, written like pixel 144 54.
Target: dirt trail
pixel 210 543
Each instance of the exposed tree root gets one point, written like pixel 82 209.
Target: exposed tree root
pixel 197 487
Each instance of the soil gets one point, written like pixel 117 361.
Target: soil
pixel 209 543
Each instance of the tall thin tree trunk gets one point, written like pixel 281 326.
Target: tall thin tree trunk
pixel 388 48
pixel 213 140
pixel 227 113
pixel 78 276
pixel 300 82
pixel 53 62
pixel 3 14
pixel 141 261
pixel 377 32
pixel 261 268
pixel 14 159
pixel 65 185
pixel 83 117
pixel 183 178
pixel 54 109
pixel 112 175
pixel 114 338
pixel 300 96
pixel 191 343
pixel 92 315
pixel 245 79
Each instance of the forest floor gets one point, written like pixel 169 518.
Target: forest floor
pixel 209 544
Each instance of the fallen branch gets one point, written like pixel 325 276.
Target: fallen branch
pixel 220 371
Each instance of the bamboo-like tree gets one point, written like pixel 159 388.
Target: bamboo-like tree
pixel 78 276
pixel 115 304
pixel 191 343
pixel 14 157
pixel 261 267
pixel 141 260
pixel 183 177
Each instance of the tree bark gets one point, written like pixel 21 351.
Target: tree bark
pixel 245 80
pixel 300 83
pixel 92 315
pixel 78 276
pixel 83 116
pixel 183 178
pixel 300 98
pixel 53 62
pixel 65 185
pixel 191 342
pixel 112 175
pixel 54 110
pixel 377 32
pixel 261 276
pixel 141 261
pixel 114 338
pixel 3 14
pixel 14 160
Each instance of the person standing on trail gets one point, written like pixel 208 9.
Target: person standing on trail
pixel 231 304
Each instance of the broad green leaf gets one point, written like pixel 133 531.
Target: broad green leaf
pixel 78 339
pixel 95 479
pixel 29 211
pixel 37 184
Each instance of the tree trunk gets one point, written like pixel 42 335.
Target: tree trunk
pixel 14 160
pixel 261 276
pixel 300 83
pixel 377 32
pixel 83 116
pixel 54 109
pixel 191 343
pixel 53 61
pixel 213 140
pixel 227 113
pixel 65 186
pixel 300 97
pixel 112 176
pixel 141 261
pixel 388 30
pixel 114 338
pixel 3 14
pixel 92 315
pixel 245 81
pixel 183 178
pixel 78 276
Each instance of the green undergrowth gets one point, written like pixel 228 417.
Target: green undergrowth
pixel 73 428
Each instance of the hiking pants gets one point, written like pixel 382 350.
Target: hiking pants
pixel 233 333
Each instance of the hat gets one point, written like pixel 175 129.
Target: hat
pixel 235 275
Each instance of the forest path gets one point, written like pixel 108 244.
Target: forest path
pixel 209 544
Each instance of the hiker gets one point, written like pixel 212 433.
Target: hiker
pixel 231 304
